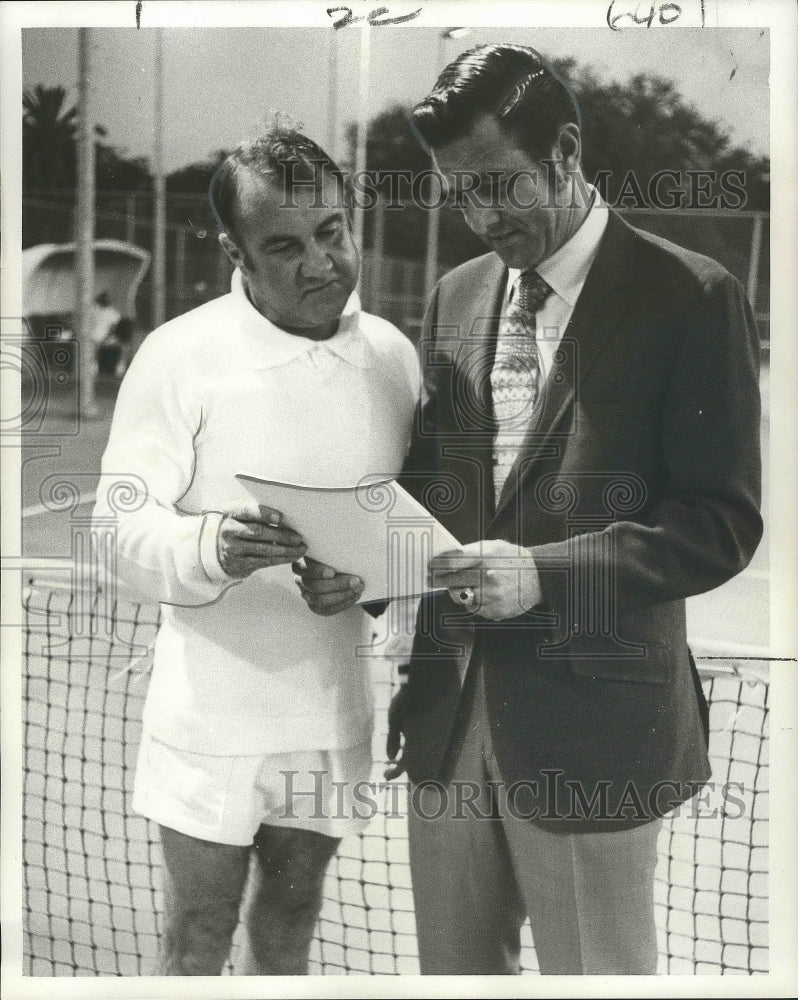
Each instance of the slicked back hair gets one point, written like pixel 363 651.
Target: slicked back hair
pixel 511 82
pixel 282 155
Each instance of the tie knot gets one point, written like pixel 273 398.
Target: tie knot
pixel 531 291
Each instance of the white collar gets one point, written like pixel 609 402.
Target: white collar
pixel 268 346
pixel 566 269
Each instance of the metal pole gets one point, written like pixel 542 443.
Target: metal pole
pixel 158 314
pixel 377 257
pixel 434 216
pixel 84 242
pixel 332 95
pixel 130 217
pixel 753 264
pixel 433 242
pixel 362 126
pixel 180 269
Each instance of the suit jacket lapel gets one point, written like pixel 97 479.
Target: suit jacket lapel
pixel 472 317
pixel 597 313
pixel 477 329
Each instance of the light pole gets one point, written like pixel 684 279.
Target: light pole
pixel 158 304
pixel 84 241
pixel 362 127
pixel 434 217
pixel 332 94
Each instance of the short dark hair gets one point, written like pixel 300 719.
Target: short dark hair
pixel 514 83
pixel 282 154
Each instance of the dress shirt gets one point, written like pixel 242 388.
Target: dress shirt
pixel 565 272
pixel 243 666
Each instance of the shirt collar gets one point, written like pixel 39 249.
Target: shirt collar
pixel 566 269
pixel 268 346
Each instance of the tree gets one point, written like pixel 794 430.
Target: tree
pixel 48 138
pixel 640 127
pixel 390 143
pixel 645 126
pixel 49 148
pixel 391 147
pixel 196 177
pixel 116 172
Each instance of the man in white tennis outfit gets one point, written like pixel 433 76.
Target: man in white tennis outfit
pixel 256 704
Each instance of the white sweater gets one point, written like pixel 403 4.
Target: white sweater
pixel 243 666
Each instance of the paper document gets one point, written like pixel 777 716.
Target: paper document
pixel 374 530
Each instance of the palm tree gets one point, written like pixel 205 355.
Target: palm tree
pixel 48 139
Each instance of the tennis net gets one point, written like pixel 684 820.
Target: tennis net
pixel 91 868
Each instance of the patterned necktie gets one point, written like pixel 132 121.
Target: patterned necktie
pixel 515 377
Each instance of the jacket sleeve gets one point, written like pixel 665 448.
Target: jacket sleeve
pixel 159 552
pixel 703 524
pixel 421 461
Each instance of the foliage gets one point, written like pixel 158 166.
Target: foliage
pixel 116 172
pixel 390 143
pixel 49 148
pixel 48 138
pixel 643 126
pixel 196 177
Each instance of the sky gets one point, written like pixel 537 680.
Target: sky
pixel 222 84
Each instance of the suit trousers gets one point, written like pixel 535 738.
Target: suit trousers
pixel 479 869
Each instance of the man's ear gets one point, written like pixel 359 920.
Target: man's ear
pixel 565 156
pixel 568 147
pixel 231 249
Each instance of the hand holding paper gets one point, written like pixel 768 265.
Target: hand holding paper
pixel 502 577
pixel 374 531
pixel 251 537
pixel 326 592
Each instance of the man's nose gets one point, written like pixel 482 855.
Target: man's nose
pixel 483 219
pixel 316 262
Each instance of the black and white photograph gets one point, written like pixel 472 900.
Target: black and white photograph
pixel 398 471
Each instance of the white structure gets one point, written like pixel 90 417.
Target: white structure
pixel 49 276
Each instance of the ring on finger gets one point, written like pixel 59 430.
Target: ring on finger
pixel 464 596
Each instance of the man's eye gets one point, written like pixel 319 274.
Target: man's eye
pixel 330 232
pixel 281 248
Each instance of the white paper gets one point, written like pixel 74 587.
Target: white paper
pixel 374 530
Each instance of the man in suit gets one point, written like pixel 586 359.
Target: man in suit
pixel 592 417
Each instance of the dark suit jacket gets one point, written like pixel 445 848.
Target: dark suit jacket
pixel 637 485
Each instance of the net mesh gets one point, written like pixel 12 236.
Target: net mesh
pixel 91 868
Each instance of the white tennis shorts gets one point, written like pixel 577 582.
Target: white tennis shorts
pixel 225 799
